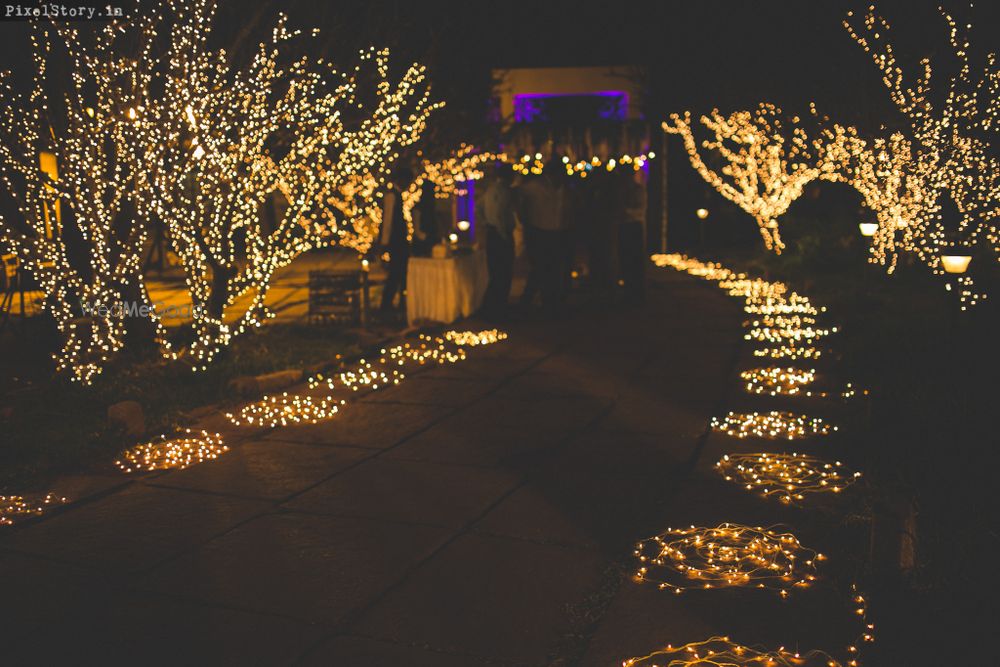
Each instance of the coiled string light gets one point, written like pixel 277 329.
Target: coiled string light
pixel 17 507
pixel 182 451
pixel 789 477
pixel 728 555
pixel 771 425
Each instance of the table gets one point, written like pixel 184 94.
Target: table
pixel 442 290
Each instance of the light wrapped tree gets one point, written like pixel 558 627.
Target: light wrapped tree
pixel 67 169
pixel 951 153
pixel 893 184
pixel 767 160
pixel 220 142
pixel 216 143
pixel 354 175
pixel 447 176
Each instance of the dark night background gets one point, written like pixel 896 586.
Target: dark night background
pixel 930 435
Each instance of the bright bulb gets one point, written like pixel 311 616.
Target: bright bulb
pixel 955 263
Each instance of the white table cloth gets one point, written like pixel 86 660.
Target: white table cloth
pixel 443 290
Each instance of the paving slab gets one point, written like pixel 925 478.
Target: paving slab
pixel 37 591
pixel 490 596
pixel 366 652
pixel 430 390
pixel 360 424
pixel 408 491
pixel 454 441
pixel 268 469
pixel 130 628
pixel 554 415
pixel 642 619
pixel 534 386
pixel 309 567
pixel 529 514
pixel 133 529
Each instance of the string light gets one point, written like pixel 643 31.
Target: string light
pixel 789 477
pixel 771 425
pixel 721 652
pixel 788 352
pixel 534 164
pixel 767 158
pixel 17 507
pixel 729 555
pixel 67 145
pixel 783 319
pixel 475 338
pixel 774 381
pixel 222 142
pixel 285 409
pixel 944 155
pixel 178 452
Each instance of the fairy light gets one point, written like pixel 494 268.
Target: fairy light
pixel 369 377
pixel 66 145
pixel 768 159
pixel 781 334
pixel 14 508
pixel 771 425
pixel 942 156
pixel 181 135
pixel 534 165
pixel 788 477
pixel 475 338
pixel 212 167
pixel 428 349
pixel 774 381
pixel 285 409
pixel 788 352
pixel 784 320
pixel 722 652
pixel 355 182
pixel 726 556
pixel 183 451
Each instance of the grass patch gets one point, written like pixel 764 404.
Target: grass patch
pixel 51 425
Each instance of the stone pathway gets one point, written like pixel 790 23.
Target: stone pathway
pixel 479 513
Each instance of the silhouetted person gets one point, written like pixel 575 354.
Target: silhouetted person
pixel 632 236
pixel 425 223
pixel 495 214
pixel 540 206
pixel 604 201
pixel 394 237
